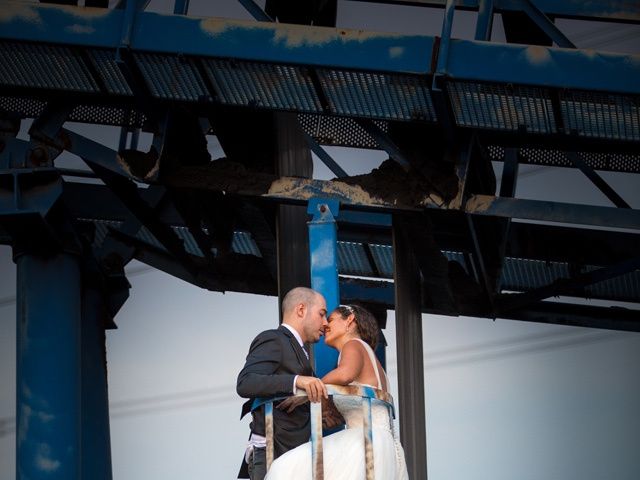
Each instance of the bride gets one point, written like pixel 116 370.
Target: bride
pixel 353 331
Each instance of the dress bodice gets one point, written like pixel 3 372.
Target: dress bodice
pixel 351 407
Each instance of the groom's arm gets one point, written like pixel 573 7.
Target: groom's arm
pixel 258 378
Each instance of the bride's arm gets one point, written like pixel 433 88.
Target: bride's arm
pixel 351 363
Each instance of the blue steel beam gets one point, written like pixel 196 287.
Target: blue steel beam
pixel 354 197
pixel 215 37
pixel 321 46
pixel 604 10
pixel 553 211
pixel 484 24
pixel 543 66
pixel 96 444
pixel 48 432
pixel 323 249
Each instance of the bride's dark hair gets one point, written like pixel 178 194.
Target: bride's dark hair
pixel 366 324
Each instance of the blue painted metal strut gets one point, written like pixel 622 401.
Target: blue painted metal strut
pixel 217 37
pixel 323 250
pixel 48 367
pixel 484 24
pixel 604 10
pixel 543 66
pixel 326 47
pixel 96 445
pixel 546 24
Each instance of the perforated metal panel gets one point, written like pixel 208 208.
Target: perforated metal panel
pixel 613 162
pixel 622 288
pixel 44 66
pixel 524 274
pixel 501 107
pixel 23 107
pixel 104 62
pixel 171 77
pixel 600 115
pixel 339 131
pixel 102 229
pixel 383 255
pixel 457 257
pixel 377 95
pixel 352 259
pixel 263 85
pixel 103 115
pixel 243 243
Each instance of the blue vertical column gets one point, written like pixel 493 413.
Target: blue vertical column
pixel 96 444
pixel 323 251
pixel 48 367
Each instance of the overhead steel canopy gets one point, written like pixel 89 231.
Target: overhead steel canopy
pixel 442 108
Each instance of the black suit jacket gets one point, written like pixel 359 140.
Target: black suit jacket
pixel 275 358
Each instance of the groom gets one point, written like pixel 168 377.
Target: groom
pixel 276 365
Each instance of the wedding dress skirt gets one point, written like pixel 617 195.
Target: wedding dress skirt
pixel 343 452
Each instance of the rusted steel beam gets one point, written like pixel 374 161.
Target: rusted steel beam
pixel 295 190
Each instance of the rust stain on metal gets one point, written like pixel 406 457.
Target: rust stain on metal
pixel 296 36
pixel 317 454
pixel 479 203
pixel 537 55
pixel 392 185
pixel 368 438
pixel 86 13
pixel 268 430
pixel 215 26
pixel 306 189
pixel 19 11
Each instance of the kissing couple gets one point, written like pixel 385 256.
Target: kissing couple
pixel 277 364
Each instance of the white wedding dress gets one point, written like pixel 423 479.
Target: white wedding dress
pixel 343 451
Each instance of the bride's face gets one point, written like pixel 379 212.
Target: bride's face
pixel 336 329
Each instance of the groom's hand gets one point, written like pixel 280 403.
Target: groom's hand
pixel 313 386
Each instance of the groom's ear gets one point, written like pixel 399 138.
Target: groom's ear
pixel 301 309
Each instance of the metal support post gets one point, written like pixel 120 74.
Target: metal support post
pixel 484 24
pixel 293 159
pixel 323 249
pixel 409 352
pixel 96 445
pixel 48 367
pixel 181 7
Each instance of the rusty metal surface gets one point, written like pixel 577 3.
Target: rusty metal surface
pixel 268 427
pixel 317 458
pixel 368 394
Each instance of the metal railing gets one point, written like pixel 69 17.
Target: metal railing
pixel 366 393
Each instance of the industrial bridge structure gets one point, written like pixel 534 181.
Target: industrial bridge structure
pixel 432 218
